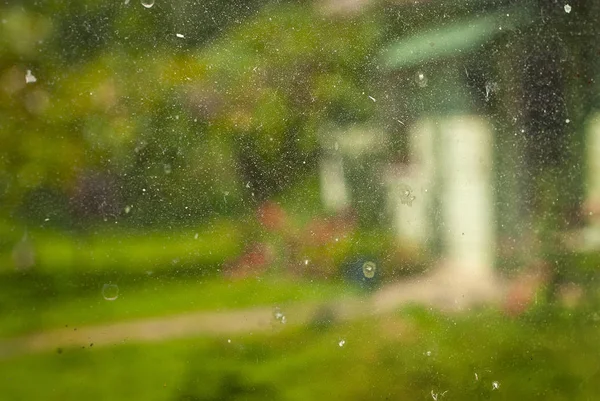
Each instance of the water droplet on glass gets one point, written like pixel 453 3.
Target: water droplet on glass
pixel 495 385
pixel 406 195
pixel 341 343
pixel 110 292
pixel 278 315
pixel 567 8
pixel 368 269
pixel 29 78
pixel 147 3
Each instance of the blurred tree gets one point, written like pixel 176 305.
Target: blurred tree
pixel 194 108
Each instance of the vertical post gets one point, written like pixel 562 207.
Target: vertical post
pixel 411 188
pixel 334 193
pixel 466 196
pixel 593 171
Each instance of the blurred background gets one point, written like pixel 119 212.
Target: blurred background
pixel 294 200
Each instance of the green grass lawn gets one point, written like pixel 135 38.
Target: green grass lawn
pixel 549 354
pixel 45 304
pixel 157 273
pixel 115 250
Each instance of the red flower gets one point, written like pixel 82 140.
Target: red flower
pixel 272 216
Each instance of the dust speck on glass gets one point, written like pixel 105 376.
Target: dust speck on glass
pixel 279 316
pixel 265 199
pixel 30 78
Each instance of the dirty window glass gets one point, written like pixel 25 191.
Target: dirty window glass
pixel 299 200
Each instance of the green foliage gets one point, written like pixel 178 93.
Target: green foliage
pixel 188 120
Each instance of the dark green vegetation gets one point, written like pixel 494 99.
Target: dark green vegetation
pixel 127 115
